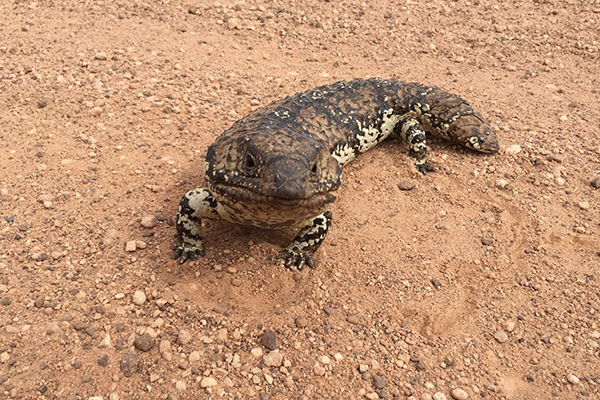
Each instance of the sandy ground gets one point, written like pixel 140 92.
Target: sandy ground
pixel 481 282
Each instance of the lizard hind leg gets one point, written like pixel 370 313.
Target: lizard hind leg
pixel 194 205
pixel 413 134
pixel 300 252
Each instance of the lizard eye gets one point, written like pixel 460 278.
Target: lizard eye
pixel 249 162
pixel 314 170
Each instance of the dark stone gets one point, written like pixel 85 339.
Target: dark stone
pixel 406 185
pixel 42 103
pixel 269 340
pixel 130 364
pixel 144 342
pixel 103 361
pixel 300 322
pixel 81 326
pixel 6 301
pixel 379 382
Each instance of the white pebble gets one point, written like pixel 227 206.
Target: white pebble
pixel 459 394
pixel 208 381
pixel 573 379
pixel 149 221
pixel 501 183
pixel 513 149
pixel 273 359
pixel 439 396
pixel 184 337
pixel 180 386
pixel 508 326
pixel 194 356
pixel 139 297
pixel 501 336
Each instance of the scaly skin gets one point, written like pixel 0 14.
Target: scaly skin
pixel 278 166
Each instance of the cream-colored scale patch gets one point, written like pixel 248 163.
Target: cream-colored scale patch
pixel 371 135
pixel 343 154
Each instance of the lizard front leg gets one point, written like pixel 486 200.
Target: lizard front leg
pixel 414 135
pixel 300 252
pixel 194 205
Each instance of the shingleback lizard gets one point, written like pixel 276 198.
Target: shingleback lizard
pixel 278 166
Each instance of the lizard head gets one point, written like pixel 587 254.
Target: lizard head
pixel 279 169
pixel 475 132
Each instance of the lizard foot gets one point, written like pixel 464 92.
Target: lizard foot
pixel 296 258
pixel 186 252
pixel 425 168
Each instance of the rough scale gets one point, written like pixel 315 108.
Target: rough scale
pixel 278 166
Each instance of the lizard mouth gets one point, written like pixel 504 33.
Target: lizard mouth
pixel 237 194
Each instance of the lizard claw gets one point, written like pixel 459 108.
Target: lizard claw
pixel 425 168
pixel 296 258
pixel 186 252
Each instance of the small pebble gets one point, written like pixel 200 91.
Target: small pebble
pixel 324 360
pixel 130 364
pixel 573 379
pixel 130 246
pixel 353 319
pixel 101 56
pixel 595 182
pixel 208 381
pixel 96 111
pixel 501 183
pixel 184 337
pixel 439 396
pixel 459 394
pixel 584 205
pixel 257 352
pixel 194 356
pixel 139 297
pixel 103 361
pixel 6 301
pixel 501 336
pixel 144 342
pixel 319 370
pixel 379 382
pixel 149 221
pixel 508 326
pixel 42 103
pixel 300 322
pixel 180 386
pixel 269 340
pixel 513 149
pixel 273 359
pixel 486 240
pixel 406 185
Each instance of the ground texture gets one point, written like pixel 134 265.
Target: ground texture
pixel 481 281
